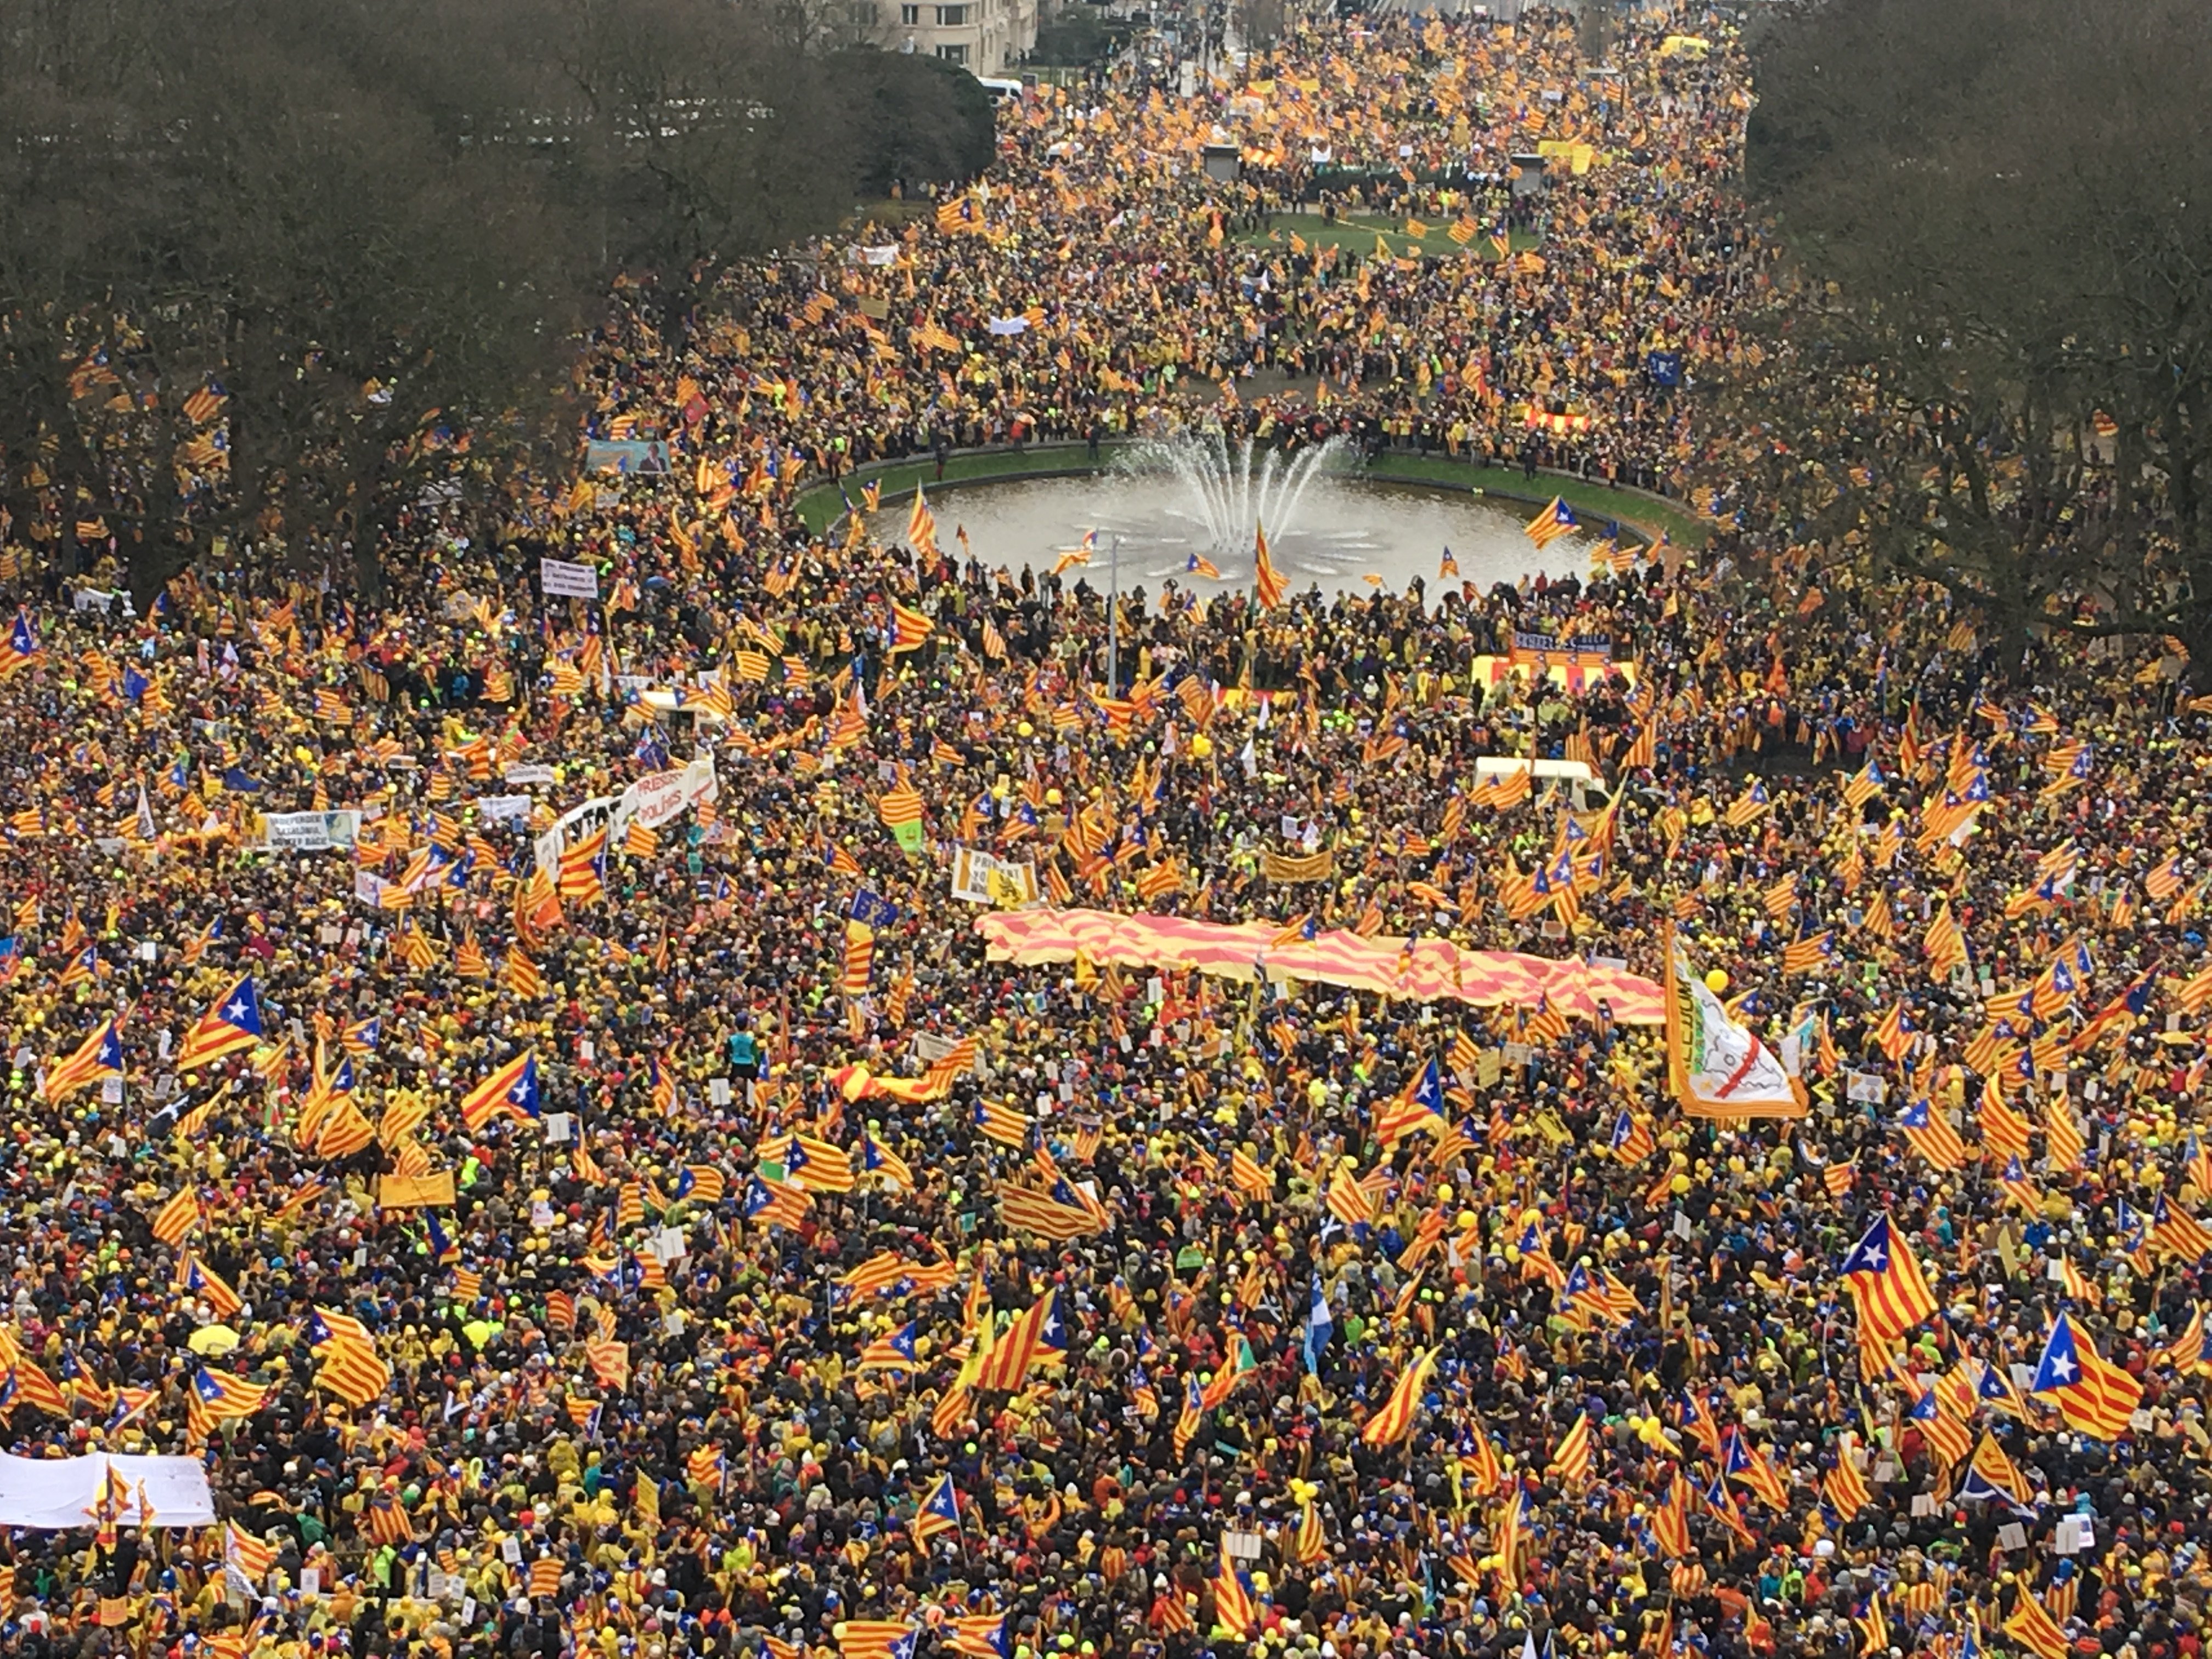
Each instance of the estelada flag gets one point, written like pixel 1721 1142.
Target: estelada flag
pixel 512 1089
pixel 1885 1281
pixel 2091 1394
pixel 1395 1421
pixel 232 1023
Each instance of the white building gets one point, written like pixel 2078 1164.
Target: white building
pixel 984 37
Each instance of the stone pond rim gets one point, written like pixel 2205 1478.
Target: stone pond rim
pixel 1646 514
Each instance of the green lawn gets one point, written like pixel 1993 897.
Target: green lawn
pixel 891 213
pixel 1357 236
pixel 820 507
pixel 1646 513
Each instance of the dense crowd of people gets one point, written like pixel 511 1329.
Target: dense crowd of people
pixel 809 1281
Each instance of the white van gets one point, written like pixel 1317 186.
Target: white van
pixel 1579 781
pixel 1002 92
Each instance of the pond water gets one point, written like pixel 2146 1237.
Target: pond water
pixel 1340 531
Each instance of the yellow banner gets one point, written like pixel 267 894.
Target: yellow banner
pixel 1317 867
pixel 397 1192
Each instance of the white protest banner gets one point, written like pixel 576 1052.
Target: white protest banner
pixel 61 1494
pixel 528 773
pixel 982 879
pixel 664 795
pixel 574 582
pixel 309 832
pixel 652 801
pixel 574 825
pixel 929 1049
pixel 497 809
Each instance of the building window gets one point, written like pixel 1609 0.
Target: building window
pixel 951 17
pixel 953 54
pixel 910 15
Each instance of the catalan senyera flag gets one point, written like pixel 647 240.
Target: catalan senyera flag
pixel 1944 942
pixel 2035 1629
pixel 1885 1282
pixel 1571 1461
pixel 179 1216
pixel 1308 1543
pixel 1028 1211
pixel 1268 584
pixel 922 525
pixel 2189 1351
pixel 1395 1420
pixel 2063 1141
pixel 249 1554
pixel 2091 1394
pixel 235 1023
pixel 1234 1609
pixel 1670 1518
pixel 860 958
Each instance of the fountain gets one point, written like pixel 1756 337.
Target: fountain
pixel 1183 509
pixel 1230 496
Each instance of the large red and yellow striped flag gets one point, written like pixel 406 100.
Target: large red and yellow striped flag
pixel 1034 1212
pixel 1570 1459
pixel 2091 1394
pixel 1395 1421
pixel 2035 1629
pixel 1269 585
pixel 350 1367
pixel 860 958
pixel 1885 1281
pixel 1019 1346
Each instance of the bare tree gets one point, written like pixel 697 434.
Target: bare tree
pixel 2003 210
pixel 266 271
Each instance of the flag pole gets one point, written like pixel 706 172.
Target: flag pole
pixel 1114 616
